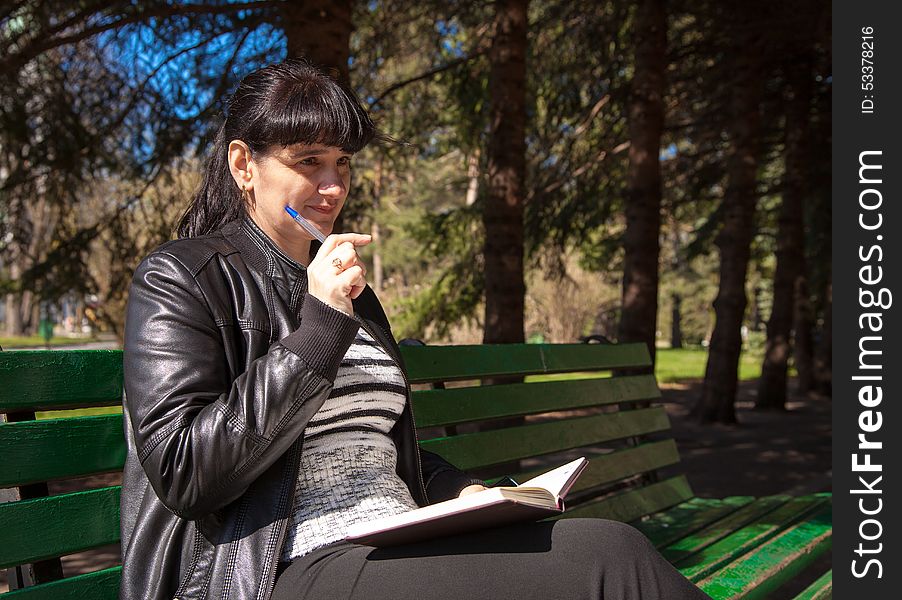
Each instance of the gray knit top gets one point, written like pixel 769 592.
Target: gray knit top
pixel 347 472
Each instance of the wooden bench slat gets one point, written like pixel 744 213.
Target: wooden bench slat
pixel 57 448
pixel 671 525
pixel 696 541
pixel 42 528
pixel 717 555
pixel 611 467
pixel 99 585
pixel 461 405
pixel 821 589
pixel 53 379
pixel 454 363
pixel 629 506
pixel 760 572
pixel 474 450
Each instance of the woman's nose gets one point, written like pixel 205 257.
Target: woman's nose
pixel 331 187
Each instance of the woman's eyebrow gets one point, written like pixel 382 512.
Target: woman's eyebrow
pixel 307 152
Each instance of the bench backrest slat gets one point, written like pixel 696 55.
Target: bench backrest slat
pixel 480 403
pixel 56 525
pixel 53 379
pixel 51 449
pixel 99 585
pixel 455 363
pixel 625 463
pixel 485 448
pixel 638 502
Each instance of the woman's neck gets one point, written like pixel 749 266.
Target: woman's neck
pixel 295 246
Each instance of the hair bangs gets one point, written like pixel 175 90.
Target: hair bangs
pixel 319 112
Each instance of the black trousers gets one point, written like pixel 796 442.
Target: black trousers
pixel 567 559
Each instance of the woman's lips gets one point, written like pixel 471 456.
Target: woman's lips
pixel 322 209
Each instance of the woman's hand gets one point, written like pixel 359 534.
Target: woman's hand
pixel 471 489
pixel 336 275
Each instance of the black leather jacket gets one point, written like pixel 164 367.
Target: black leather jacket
pixel 226 359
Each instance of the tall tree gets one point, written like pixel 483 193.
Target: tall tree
pixel 638 318
pixel 789 273
pixel 744 60
pixel 502 216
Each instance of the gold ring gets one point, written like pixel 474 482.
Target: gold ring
pixel 336 262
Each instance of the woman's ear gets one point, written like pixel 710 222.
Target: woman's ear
pixel 241 164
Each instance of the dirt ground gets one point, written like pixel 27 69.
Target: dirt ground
pixel 765 453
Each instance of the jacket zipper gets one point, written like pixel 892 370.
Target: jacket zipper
pixel 419 465
pixel 283 527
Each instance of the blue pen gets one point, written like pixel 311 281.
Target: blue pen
pixel 307 225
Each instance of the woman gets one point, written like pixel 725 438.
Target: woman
pixel 267 408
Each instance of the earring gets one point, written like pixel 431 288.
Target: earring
pixel 246 197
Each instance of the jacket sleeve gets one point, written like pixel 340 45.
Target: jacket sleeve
pixel 201 437
pixel 443 480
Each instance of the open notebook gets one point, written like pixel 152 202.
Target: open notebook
pixel 537 498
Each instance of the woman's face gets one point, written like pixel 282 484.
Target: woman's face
pixel 311 179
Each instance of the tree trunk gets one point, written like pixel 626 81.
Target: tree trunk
pixel 14 305
pixel 473 178
pixel 823 359
pixel 374 230
pixel 503 213
pixel 639 311
pixel 734 242
pixel 320 31
pixel 789 275
pixel 803 334
pixel 676 331
pixel 502 216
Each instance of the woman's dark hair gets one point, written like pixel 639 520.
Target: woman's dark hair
pixel 287 103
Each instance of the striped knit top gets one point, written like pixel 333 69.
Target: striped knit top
pixel 347 472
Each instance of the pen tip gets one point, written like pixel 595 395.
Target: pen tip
pixel 291 211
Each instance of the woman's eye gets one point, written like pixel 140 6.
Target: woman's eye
pixel 344 161
pixel 308 162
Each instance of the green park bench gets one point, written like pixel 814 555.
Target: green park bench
pixel 736 547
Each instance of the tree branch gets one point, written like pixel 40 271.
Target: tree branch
pixel 14 62
pixel 425 75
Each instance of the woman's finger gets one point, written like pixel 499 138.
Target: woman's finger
pixel 336 239
pixel 352 276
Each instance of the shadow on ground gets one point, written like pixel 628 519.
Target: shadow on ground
pixel 767 452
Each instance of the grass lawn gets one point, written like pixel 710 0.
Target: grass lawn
pixel 36 341
pixel 676 365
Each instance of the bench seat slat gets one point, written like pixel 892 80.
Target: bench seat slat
pixel 705 562
pixel 693 542
pixel 42 528
pixel 461 405
pixel 763 570
pixel 57 448
pixel 455 363
pixel 669 526
pixel 635 503
pixel 99 585
pixel 481 449
pixel 821 589
pixel 54 379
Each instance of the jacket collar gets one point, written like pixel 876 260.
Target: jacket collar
pixel 260 252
